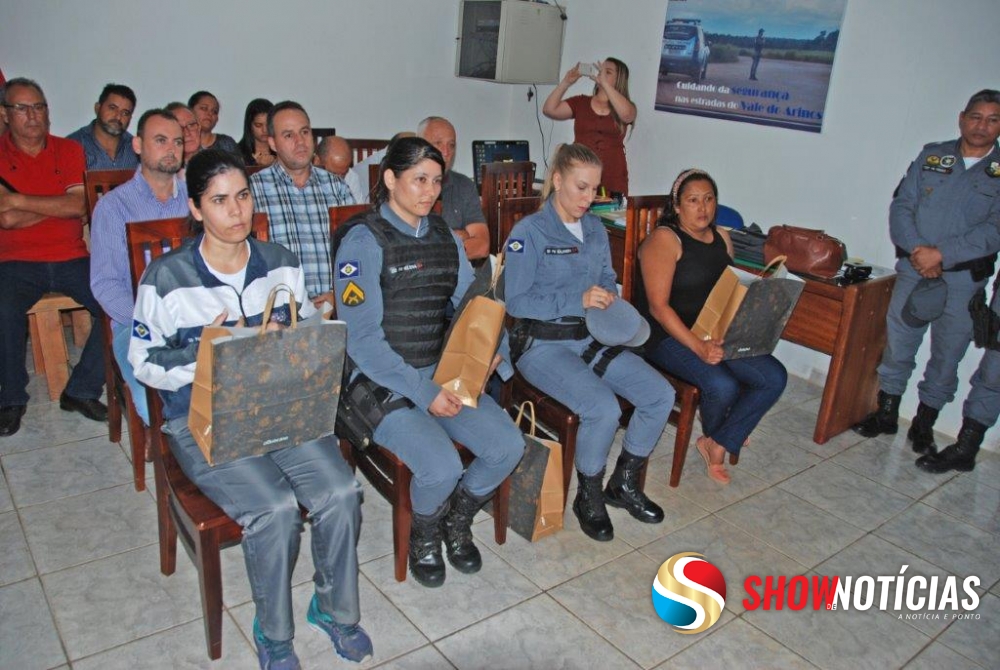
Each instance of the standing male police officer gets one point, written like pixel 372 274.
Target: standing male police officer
pixel 945 223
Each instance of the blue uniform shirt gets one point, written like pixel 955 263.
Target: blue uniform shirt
pixel 359 263
pixel 939 203
pixel 549 269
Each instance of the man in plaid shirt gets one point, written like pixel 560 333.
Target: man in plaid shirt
pixel 297 196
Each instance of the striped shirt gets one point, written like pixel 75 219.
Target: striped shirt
pixel 97 157
pixel 110 278
pixel 179 295
pixel 299 218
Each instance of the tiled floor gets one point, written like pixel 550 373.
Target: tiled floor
pixel 80 585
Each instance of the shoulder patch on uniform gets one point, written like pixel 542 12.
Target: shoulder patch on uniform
pixel 515 246
pixel 348 270
pixel 141 330
pixel 352 295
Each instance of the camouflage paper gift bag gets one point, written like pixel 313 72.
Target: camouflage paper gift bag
pixel 256 391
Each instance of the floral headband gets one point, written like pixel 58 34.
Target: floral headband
pixel 680 180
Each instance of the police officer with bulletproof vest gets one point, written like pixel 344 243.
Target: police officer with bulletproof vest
pixel 396 269
pixel 945 223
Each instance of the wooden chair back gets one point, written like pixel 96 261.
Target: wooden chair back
pixel 502 181
pixel 339 215
pixel 98 182
pixel 641 214
pixel 513 210
pixel 320 133
pixel 363 148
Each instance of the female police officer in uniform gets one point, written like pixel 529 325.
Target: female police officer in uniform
pixel 396 270
pixel 559 265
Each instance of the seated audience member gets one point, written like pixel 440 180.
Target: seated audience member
pixel 399 267
pixel 223 276
pixel 106 141
pixel 361 169
pixel 41 249
pixel 253 145
pixel 191 128
pixel 558 268
pixel 460 204
pixel 206 109
pixel 681 260
pixel 155 192
pixel 335 156
pixel 297 197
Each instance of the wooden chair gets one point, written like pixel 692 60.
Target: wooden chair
pixel 502 181
pixel 98 183
pixel 181 507
pixel 320 133
pixel 48 343
pixel 390 476
pixel 363 148
pixel 641 215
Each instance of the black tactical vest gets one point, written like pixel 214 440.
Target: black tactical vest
pixel 419 275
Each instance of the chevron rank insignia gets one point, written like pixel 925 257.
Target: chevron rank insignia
pixel 352 295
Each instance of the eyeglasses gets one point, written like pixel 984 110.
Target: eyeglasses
pixel 22 109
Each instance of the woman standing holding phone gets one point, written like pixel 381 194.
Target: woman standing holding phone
pixel 600 120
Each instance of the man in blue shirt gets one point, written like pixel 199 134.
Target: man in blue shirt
pixel 155 192
pixel 106 140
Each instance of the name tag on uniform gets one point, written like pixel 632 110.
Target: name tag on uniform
pixel 936 168
pixel 561 251
pixel 409 267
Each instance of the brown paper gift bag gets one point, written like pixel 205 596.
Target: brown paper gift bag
pixel 472 343
pixel 536 492
pixel 748 312
pixel 256 391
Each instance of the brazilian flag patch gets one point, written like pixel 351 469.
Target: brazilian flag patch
pixel 352 295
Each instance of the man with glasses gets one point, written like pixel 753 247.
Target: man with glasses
pixel 191 128
pixel 41 249
pixel 106 140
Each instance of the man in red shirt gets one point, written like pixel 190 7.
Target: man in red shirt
pixel 41 249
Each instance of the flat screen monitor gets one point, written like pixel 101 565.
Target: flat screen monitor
pixel 497 151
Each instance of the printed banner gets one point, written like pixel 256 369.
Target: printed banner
pixel 756 61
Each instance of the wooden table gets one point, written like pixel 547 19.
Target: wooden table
pixel 845 322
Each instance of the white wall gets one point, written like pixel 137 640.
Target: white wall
pixel 372 67
pixel 903 71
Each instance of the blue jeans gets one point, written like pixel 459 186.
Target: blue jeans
pixel 263 494
pixel 121 336
pixel 23 284
pixel 735 395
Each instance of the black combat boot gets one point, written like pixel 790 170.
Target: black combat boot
pixel 589 508
pixel 462 552
pixel 921 432
pixel 885 419
pixel 960 456
pixel 623 490
pixel 426 563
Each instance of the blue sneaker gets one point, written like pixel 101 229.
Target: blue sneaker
pixel 351 642
pixel 274 655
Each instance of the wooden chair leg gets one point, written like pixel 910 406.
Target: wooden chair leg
pixel 208 562
pixel 36 345
pixel 734 459
pixel 112 378
pixel 138 435
pixel 54 352
pixel 402 519
pixel 685 426
pixel 501 504
pixel 165 522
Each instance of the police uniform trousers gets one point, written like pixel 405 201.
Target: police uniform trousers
pixel 262 494
pixel 556 368
pixel 951 334
pixel 424 443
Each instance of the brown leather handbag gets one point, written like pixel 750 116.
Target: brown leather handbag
pixel 809 252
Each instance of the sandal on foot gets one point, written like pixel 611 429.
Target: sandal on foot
pixel 716 471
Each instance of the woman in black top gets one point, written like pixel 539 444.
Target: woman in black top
pixel 253 145
pixel 681 260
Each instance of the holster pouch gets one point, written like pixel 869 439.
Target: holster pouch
pixel 363 405
pixel 985 322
